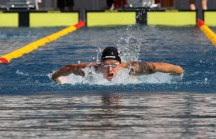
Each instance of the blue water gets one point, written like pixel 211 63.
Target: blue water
pixel 158 106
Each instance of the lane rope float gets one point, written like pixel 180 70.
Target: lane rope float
pixel 5 59
pixel 207 31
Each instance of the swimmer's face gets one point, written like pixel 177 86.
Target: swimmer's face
pixel 110 68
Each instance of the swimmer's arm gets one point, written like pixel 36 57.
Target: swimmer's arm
pixel 72 69
pixel 167 68
pixel 141 68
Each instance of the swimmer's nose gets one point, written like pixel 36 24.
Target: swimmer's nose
pixel 109 68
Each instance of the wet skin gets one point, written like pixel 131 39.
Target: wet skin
pixel 110 72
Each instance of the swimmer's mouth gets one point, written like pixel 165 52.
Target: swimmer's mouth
pixel 110 75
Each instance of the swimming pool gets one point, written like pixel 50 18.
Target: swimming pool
pixel 158 106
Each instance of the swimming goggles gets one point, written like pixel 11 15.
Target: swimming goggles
pixel 113 65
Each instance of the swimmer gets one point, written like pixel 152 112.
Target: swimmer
pixel 111 64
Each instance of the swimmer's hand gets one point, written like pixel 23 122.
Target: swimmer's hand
pixel 59 75
pixel 61 80
pixel 175 74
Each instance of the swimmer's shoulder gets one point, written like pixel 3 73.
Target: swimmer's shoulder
pixel 125 65
pixel 96 65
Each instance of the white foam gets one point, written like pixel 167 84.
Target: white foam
pixel 93 77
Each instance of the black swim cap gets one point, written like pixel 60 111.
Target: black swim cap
pixel 110 53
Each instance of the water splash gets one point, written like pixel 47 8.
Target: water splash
pixel 129 47
pixel 93 77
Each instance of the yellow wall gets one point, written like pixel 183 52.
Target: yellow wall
pixel 110 18
pixel 175 18
pixel 210 18
pixel 107 18
pixel 53 19
pixel 9 20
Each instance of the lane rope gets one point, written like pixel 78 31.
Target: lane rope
pixel 207 31
pixel 5 59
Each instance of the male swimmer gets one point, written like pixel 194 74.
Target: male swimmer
pixel 111 64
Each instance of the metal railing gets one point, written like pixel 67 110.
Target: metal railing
pixel 149 3
pixel 143 3
pixel 21 4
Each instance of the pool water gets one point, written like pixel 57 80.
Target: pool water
pixel 156 106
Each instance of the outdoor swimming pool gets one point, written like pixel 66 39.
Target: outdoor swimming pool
pixel 156 106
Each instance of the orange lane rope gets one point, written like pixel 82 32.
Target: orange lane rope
pixel 207 31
